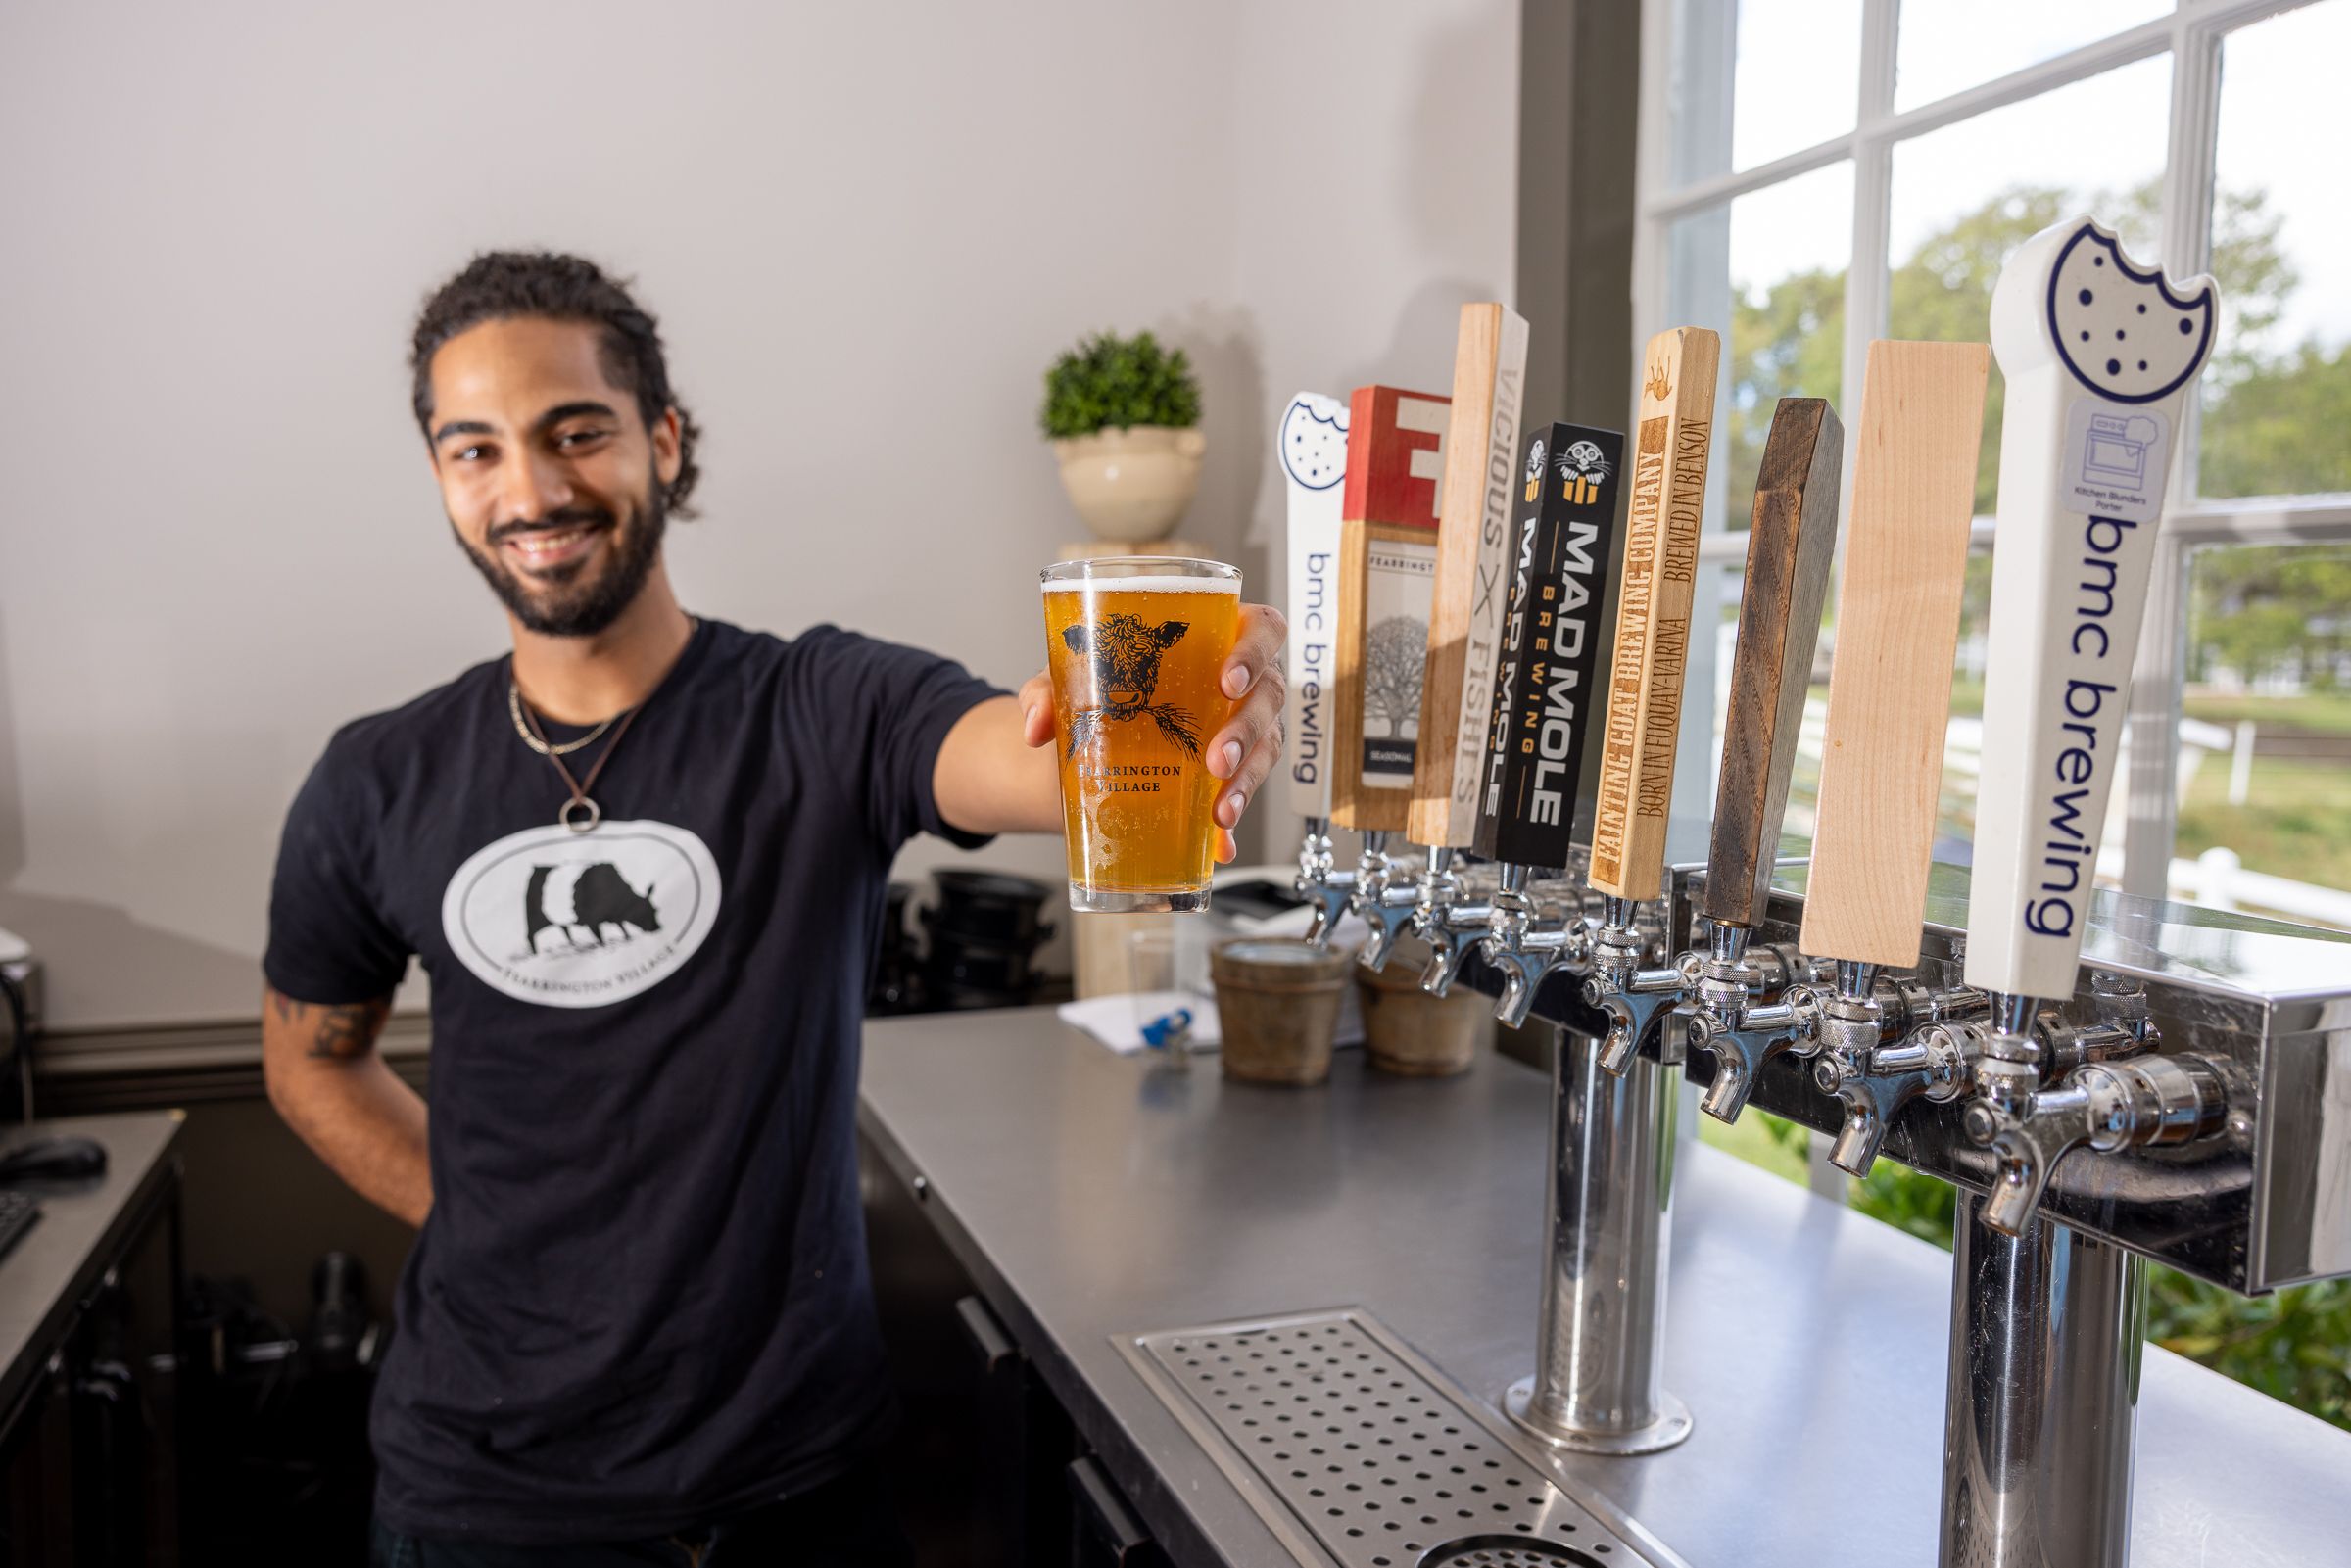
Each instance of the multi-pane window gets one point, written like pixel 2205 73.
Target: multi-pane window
pixel 1816 173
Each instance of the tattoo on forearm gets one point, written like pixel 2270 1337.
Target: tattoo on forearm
pixel 349 1033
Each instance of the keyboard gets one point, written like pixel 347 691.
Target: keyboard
pixel 17 1214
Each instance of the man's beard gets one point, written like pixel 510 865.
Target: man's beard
pixel 560 604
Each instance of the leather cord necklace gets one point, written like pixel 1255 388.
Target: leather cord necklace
pixel 580 801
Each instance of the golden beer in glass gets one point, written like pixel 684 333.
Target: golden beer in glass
pixel 1137 646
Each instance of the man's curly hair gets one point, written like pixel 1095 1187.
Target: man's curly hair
pixel 499 285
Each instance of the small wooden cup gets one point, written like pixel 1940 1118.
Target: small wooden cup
pixel 1279 1003
pixel 1410 1032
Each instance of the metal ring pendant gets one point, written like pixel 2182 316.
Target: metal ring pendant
pixel 595 814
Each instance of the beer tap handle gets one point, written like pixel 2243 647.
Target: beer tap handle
pixel 1386 567
pixel 2099 355
pixel 1312 445
pixel 1668 482
pixel 1898 632
pixel 1548 686
pixel 1472 577
pixel 1790 544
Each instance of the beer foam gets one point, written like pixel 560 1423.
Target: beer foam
pixel 1145 585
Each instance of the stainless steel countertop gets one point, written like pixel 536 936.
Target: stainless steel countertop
pixel 47 1275
pixel 1093 1196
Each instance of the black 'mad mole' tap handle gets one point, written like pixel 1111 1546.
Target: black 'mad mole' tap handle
pixel 1548 696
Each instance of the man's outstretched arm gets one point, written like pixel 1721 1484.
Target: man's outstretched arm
pixel 996 774
pixel 344 1100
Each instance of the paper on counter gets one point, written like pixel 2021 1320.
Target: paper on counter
pixel 1117 1019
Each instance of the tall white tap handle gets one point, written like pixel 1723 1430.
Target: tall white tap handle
pixel 1312 442
pixel 2099 355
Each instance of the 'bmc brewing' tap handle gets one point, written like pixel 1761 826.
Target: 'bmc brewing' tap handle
pixel 1635 794
pixel 2099 355
pixel 1547 694
pixel 1387 564
pixel 1465 613
pixel 1312 443
pixel 1790 546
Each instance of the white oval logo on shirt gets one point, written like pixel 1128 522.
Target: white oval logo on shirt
pixel 582 919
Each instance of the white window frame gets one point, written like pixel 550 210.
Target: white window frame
pixel 2192 34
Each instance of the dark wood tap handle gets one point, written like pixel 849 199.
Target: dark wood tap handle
pixel 1789 548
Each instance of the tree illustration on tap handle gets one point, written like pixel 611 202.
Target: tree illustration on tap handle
pixel 2100 354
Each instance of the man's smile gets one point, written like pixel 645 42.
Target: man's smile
pixel 539 550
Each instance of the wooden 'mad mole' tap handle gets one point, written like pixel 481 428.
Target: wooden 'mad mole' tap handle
pixel 1546 691
pixel 2099 353
pixel 1312 443
pixel 1473 576
pixel 1897 631
pixel 1671 437
pixel 1790 546
pixel 1387 568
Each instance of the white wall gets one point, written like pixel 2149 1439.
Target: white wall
pixel 865 228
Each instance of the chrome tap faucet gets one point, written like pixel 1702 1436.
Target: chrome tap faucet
pixel 1730 1021
pixel 1384 898
pixel 1456 910
pixel 1523 945
pixel 1635 996
pixel 1881 1050
pixel 2107 1104
pixel 1326 890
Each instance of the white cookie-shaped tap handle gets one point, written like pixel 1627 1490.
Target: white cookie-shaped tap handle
pixel 1312 441
pixel 2100 355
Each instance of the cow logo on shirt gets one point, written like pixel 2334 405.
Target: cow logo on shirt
pixel 582 919
pixel 1126 652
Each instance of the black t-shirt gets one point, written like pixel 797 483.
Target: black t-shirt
pixel 640 1299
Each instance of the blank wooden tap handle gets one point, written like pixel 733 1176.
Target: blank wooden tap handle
pixel 1387 564
pixel 2099 355
pixel 1897 631
pixel 1473 576
pixel 1789 548
pixel 1670 443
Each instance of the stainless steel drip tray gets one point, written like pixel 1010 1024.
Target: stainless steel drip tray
pixel 1358 1453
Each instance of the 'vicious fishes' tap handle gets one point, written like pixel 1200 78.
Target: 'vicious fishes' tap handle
pixel 1312 443
pixel 1466 604
pixel 2100 354
pixel 1546 691
pixel 1790 546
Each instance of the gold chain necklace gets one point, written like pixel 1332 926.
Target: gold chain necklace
pixel 545 748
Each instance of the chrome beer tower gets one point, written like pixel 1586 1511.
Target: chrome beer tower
pixel 2105 1079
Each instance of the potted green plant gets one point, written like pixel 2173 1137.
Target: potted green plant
pixel 1122 414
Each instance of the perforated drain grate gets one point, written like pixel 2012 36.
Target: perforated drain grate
pixel 1335 1431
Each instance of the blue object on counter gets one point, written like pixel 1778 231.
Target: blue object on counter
pixel 1167 1031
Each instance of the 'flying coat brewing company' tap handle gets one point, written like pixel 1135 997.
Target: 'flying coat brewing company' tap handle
pixel 2099 353
pixel 1464 623
pixel 1669 480
pixel 1790 543
pixel 1388 567
pixel 1547 694
pixel 1312 442
pixel 1890 702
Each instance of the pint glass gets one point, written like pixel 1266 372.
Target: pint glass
pixel 1135 646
